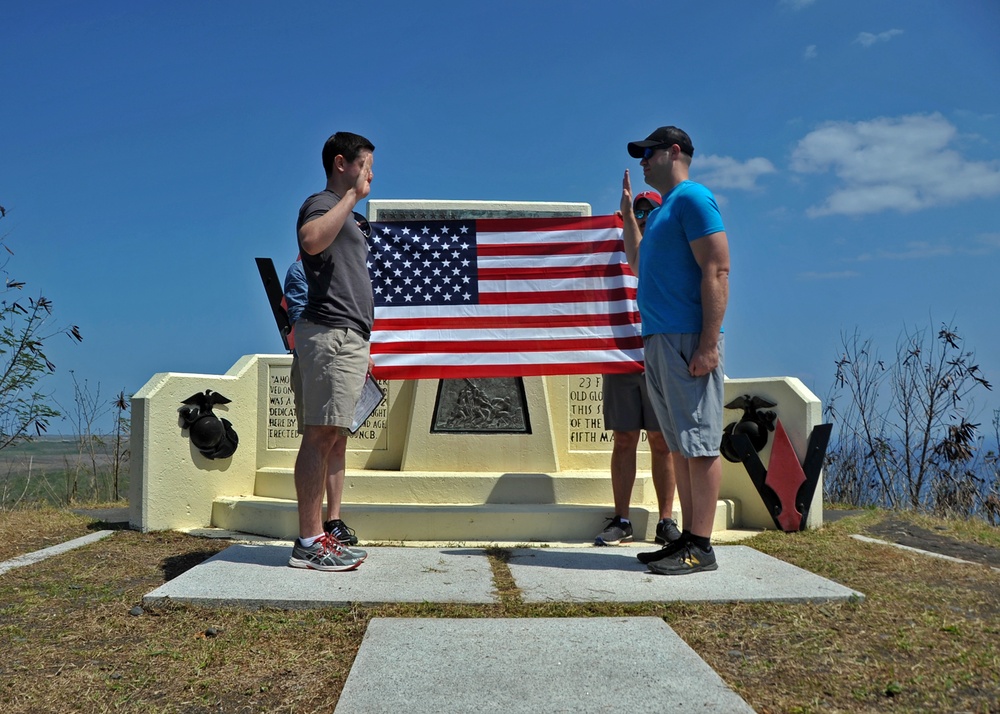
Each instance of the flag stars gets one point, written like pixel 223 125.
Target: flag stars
pixel 427 263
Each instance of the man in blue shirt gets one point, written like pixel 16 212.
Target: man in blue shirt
pixel 682 260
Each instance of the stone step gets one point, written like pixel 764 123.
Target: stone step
pixel 484 522
pixel 379 487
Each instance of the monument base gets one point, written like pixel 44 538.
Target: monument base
pixel 407 482
pixel 452 523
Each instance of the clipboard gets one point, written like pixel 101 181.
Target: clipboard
pixel 371 396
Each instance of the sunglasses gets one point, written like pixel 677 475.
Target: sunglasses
pixel 653 149
pixel 363 224
pixel 641 213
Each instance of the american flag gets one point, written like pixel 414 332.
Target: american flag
pixel 511 297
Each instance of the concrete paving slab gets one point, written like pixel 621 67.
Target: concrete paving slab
pixel 258 576
pixel 614 575
pixel 544 665
pixel 40 555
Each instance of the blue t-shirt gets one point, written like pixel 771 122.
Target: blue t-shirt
pixel 669 276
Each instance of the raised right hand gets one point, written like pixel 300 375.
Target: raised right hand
pixel 626 204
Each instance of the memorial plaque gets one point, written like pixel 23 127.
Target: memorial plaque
pixel 481 406
pixel 585 403
pixel 282 426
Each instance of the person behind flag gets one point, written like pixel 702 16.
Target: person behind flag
pixel 331 349
pixel 627 411
pixel 296 291
pixel 682 262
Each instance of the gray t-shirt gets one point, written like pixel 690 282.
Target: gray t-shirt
pixel 340 290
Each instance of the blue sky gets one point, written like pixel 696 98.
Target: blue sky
pixel 149 152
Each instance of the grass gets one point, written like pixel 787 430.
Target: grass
pixel 54 470
pixel 925 638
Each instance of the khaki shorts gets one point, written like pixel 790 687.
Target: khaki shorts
pixel 626 403
pixel 689 408
pixel 328 372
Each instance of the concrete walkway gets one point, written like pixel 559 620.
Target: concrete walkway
pixel 432 666
pixel 40 555
pixel 257 576
pixel 528 666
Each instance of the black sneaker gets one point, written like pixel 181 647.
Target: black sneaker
pixel 339 530
pixel 670 549
pixel 667 531
pixel 617 531
pixel 689 559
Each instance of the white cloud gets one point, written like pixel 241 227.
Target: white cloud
pixel 810 53
pixel 900 163
pixel 976 116
pixel 988 242
pixel 837 275
pixel 867 39
pixel 917 250
pixel 727 172
pixel 796 4
pixel 982 244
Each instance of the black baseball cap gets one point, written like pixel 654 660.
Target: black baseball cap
pixel 664 136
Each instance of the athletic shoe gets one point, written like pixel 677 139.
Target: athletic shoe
pixel 667 531
pixel 670 549
pixel 326 554
pixel 617 531
pixel 339 530
pixel 689 559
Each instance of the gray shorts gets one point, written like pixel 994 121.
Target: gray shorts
pixel 626 403
pixel 328 372
pixel 689 408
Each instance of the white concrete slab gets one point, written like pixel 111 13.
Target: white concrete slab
pixel 258 576
pixel 614 575
pixel 40 555
pixel 515 666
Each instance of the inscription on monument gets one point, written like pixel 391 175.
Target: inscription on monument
pixel 282 427
pixel 586 414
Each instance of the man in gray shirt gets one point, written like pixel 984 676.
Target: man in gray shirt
pixel 331 348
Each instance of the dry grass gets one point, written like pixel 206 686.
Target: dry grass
pixel 27 530
pixel 924 639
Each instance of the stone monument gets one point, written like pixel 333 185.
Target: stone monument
pixel 495 460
